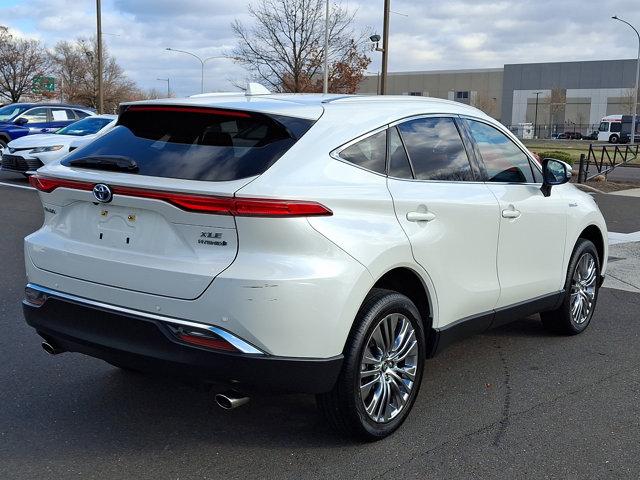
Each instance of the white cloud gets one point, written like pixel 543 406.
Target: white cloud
pixel 430 34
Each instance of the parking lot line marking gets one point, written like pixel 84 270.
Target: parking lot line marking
pixel 16 186
pixel 615 238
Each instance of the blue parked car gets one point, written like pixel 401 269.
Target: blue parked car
pixel 20 119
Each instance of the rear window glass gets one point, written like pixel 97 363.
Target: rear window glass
pixel 196 143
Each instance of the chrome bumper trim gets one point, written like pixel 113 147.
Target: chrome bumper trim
pixel 240 344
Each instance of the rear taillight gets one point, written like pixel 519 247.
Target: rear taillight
pixel 47 184
pixel 241 207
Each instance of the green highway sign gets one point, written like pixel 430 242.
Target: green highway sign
pixel 42 84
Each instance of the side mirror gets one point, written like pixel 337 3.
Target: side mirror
pixel 554 172
pixel 21 121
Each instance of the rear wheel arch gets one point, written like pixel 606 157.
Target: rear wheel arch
pixel 408 282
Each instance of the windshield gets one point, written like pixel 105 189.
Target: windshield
pixel 87 126
pixel 11 111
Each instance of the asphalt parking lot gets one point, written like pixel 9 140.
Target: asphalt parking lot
pixel 513 403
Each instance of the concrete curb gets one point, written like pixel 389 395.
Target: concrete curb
pixel 588 188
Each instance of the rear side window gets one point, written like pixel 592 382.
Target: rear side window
pixel 436 150
pixel 503 160
pixel 195 143
pixel 369 153
pixel 80 113
pixel 398 161
pixel 62 114
pixel 616 126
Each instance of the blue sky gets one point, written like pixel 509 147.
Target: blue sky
pixel 425 35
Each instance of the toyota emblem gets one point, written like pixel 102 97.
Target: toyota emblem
pixel 102 193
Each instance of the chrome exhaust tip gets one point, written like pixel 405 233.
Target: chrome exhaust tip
pixel 51 349
pixel 230 400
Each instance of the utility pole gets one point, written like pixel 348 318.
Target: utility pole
pixel 635 102
pixel 535 118
pixel 168 85
pixel 99 41
pixel 325 88
pixel 385 47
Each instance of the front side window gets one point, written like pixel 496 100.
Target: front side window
pixel 436 150
pixel 604 127
pixel 503 160
pixel 11 111
pixel 369 153
pixel 36 115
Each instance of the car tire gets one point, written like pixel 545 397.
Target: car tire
pixel 372 396
pixel 3 144
pixel 614 139
pixel 581 292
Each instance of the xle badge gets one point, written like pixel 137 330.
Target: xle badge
pixel 206 236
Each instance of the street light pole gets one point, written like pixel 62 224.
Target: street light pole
pixel 168 85
pixel 325 87
pixel 385 47
pixel 535 118
pixel 99 44
pixel 202 62
pixel 635 104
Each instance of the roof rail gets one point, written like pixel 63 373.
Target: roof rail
pixel 389 98
pixel 217 94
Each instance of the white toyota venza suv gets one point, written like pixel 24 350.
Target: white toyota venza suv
pixel 305 243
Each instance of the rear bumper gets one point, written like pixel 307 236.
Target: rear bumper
pixel 147 344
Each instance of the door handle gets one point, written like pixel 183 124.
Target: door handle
pixel 420 216
pixel 511 213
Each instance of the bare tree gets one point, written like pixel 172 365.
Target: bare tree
pixel 557 101
pixel 284 46
pixel 76 65
pixel 21 60
pixel 628 100
pixel 485 103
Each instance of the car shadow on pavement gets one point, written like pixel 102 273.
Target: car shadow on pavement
pixel 526 327
pixel 127 410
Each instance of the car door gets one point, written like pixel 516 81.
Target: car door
pixel 448 214
pixel 38 119
pixel 532 226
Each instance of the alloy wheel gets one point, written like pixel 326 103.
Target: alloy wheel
pixel 583 288
pixel 388 368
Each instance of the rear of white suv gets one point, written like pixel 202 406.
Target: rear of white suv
pixel 312 244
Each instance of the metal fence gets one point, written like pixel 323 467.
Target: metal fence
pixel 602 159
